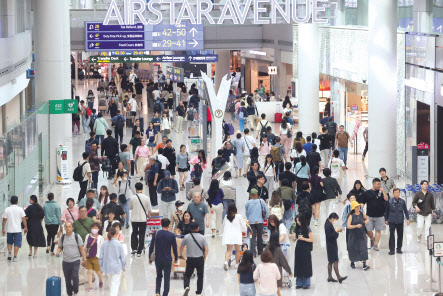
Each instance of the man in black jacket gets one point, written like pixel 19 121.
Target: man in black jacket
pixel 169 153
pixel 194 100
pixel 253 175
pixel 110 150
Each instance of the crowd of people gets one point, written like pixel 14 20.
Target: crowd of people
pixel 289 177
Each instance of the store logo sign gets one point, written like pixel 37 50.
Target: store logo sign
pixel 194 11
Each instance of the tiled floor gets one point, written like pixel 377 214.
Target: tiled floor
pixel 389 275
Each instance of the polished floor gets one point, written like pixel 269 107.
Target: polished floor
pixel 404 274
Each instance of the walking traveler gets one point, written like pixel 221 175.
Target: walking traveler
pixel 196 253
pixel 262 190
pixel 183 166
pixel 177 216
pixel 71 244
pixel 256 213
pixel 87 176
pixel 34 215
pixel 169 153
pixel 142 154
pixel 85 116
pixel 70 214
pixel 331 235
pixel 100 127
pixel 199 212
pixel 118 121
pixel 215 203
pixel 234 226
pixel 313 157
pixel 276 206
pixel 358 191
pixel 53 222
pixel 167 188
pixel 365 137
pixel 325 147
pixel 356 236
pixel 110 149
pixel 278 157
pixel 341 142
pixel 286 136
pixel 184 226
pixel 239 150
pixel 337 167
pixel 228 191
pixel 386 183
pixel 302 171
pixel 303 248
pixel 199 164
pixel 278 258
pixel 332 131
pixel 82 225
pixel 288 175
pixel 250 144
pixel 112 261
pixel 114 207
pixel 94 162
pixel 330 185
pixel 267 275
pixel 161 245
pixel 375 200
pixel 317 193
pixel 153 178
pixel 288 196
pixel 394 218
pixel 141 210
pixel 245 272
pixel 13 216
pixel 180 112
pixel 269 170
pixel 93 244
pixel 424 204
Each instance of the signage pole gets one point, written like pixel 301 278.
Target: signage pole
pixel 431 243
pixel 439 280
pixel 205 129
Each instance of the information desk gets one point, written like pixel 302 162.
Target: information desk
pixel 270 108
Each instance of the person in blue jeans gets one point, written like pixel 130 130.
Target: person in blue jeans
pixel 12 219
pixel 341 142
pixel 242 109
pixel 161 244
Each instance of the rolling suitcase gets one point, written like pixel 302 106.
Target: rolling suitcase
pixel 54 286
pixel 278 117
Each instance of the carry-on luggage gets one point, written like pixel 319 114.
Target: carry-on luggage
pixel 54 286
pixel 278 117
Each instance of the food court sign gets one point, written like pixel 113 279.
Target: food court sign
pixel 195 11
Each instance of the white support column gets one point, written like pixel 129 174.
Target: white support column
pixel 222 67
pixel 382 86
pixel 53 57
pixel 423 16
pixel 308 77
pixel 89 4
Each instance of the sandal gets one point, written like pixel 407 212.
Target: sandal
pixel 30 254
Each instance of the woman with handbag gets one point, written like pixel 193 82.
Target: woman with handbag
pixel 53 222
pixel 112 261
pixel 302 256
pixel 317 193
pixel 71 213
pixel 183 166
pixel 93 243
pixel 267 274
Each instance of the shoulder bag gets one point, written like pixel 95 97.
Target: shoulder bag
pixel 197 244
pixel 142 206
pixel 89 248
pixel 263 212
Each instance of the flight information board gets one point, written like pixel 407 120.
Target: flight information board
pixel 185 36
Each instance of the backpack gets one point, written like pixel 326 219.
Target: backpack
pixel 231 129
pixel 263 131
pixel 304 206
pixel 241 114
pixel 231 107
pixel 275 153
pixel 120 123
pixel 106 165
pixel 276 210
pixel 78 172
pixel 218 163
pixel 88 145
pixel 157 107
pixel 332 128
pixel 250 109
pixel 198 170
pixel 191 114
pixel 92 119
pixel 62 238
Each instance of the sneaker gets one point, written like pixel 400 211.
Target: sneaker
pixel 186 291
pixel 352 265
pixel 375 248
pixel 399 252
pixel 15 259
pixel 365 267
pixel 139 255
pixel 391 253
pixel 90 290
pixel 100 285
pixel 127 226
pixel 225 266
pixel 133 252
pixel 9 256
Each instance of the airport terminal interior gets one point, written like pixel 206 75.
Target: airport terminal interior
pixel 112 111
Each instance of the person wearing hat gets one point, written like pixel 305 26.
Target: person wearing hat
pixel 356 235
pixel 256 212
pixel 196 253
pixel 168 188
pixel 177 216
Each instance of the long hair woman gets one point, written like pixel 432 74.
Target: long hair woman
pixel 285 135
pixel 316 185
pixel 283 236
pixel 34 215
pixel 358 190
pixel 278 257
pixel 299 139
pixel 303 248
pixel 215 202
pixel 245 272
pixel 252 157
pixel 276 206
pixel 200 161
pixel 331 234
pixel 269 172
pixel 234 226
pixel 103 197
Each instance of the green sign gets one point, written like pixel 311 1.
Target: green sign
pixel 123 59
pixel 71 106
pixel 63 106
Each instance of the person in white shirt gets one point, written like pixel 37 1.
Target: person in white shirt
pixel 263 124
pixel 132 77
pixel 140 205
pixel 163 160
pixel 337 166
pixel 86 173
pixel 14 215
pixel 133 104
pixel 249 143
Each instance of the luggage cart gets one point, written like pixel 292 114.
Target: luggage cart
pixel 153 224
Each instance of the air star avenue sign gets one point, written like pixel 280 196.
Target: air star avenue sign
pixel 233 11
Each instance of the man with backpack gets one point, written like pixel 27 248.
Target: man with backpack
pixel 92 119
pixel 218 162
pixel 278 155
pixel 190 117
pixel 262 127
pixel 158 106
pixel 90 141
pixel 83 174
pixel 288 196
pixel 110 150
pixel 119 123
pixel 332 131
pixel 86 112
pixel 195 100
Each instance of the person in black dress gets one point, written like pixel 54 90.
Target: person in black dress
pixel 331 247
pixel 356 236
pixel 34 215
pixel 302 256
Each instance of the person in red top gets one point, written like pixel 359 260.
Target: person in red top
pixel 208 120
pixel 162 144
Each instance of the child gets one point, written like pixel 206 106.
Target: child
pixel 347 210
pixel 93 243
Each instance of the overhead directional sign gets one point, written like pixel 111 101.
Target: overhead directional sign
pixel 155 59
pixel 175 74
pixel 185 36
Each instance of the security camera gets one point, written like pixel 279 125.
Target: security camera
pixel 364 80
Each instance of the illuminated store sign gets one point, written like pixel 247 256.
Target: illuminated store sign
pixel 195 10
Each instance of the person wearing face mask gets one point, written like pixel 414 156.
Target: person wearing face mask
pixel 177 216
pixel 93 244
